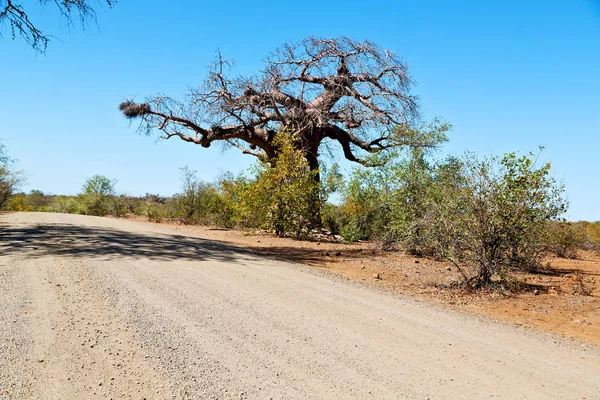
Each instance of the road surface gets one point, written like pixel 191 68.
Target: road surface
pixel 105 308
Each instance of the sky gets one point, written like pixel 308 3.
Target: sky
pixel 509 76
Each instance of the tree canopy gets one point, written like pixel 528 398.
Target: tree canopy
pixel 10 178
pixel 13 14
pixel 351 93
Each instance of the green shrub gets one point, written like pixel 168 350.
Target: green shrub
pixel 97 194
pixel 199 202
pixel 10 178
pixel 564 239
pixel 367 196
pixel 592 234
pixel 17 202
pixel 332 218
pixel 490 216
pixel 66 204
pixel 284 194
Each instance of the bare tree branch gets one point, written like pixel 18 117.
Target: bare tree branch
pixel 351 92
pixel 17 18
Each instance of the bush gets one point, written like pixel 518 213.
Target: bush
pixel 154 207
pixel 490 216
pixel 565 238
pixel 199 202
pixel 18 202
pixel 10 178
pixel 284 195
pixel 384 203
pixel 120 205
pixel 367 197
pixel 592 233
pixel 332 218
pixel 66 204
pixel 97 194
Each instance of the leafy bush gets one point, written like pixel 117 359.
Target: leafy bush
pixel 365 211
pixel 592 234
pixel 10 178
pixel 284 194
pixel 383 203
pixel 237 206
pixel 490 216
pixel 118 205
pixel 97 194
pixel 18 202
pixel 332 218
pixel 199 202
pixel 66 204
pixel 154 207
pixel 565 238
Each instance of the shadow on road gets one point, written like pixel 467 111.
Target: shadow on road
pixel 89 241
pixel 72 240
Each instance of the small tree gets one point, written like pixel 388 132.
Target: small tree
pixel 284 193
pixel 10 178
pixel 490 216
pixel 187 202
pixel 564 239
pixel 385 201
pixel 366 208
pixel 97 194
pixel 199 202
pixel 66 204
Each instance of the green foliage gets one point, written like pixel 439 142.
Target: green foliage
pixel 238 198
pixel 284 194
pixel 119 205
pixel 199 202
pixel 66 204
pixel 383 202
pixel 365 211
pixel 153 210
pixel 490 216
pixel 97 195
pixel 18 202
pixel 36 199
pixel 331 180
pixel 564 239
pixel 10 178
pixel 423 138
pixel 332 219
pixel 592 233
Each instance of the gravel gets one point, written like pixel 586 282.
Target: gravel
pixel 105 308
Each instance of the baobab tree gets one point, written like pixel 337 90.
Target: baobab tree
pixel 351 93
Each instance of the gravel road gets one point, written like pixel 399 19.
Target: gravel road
pixel 104 308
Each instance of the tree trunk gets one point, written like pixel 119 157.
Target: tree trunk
pixel 315 198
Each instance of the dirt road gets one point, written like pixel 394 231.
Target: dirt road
pixel 104 308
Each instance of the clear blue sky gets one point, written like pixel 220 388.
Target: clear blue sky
pixel 508 75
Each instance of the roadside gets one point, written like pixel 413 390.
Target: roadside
pixel 554 302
